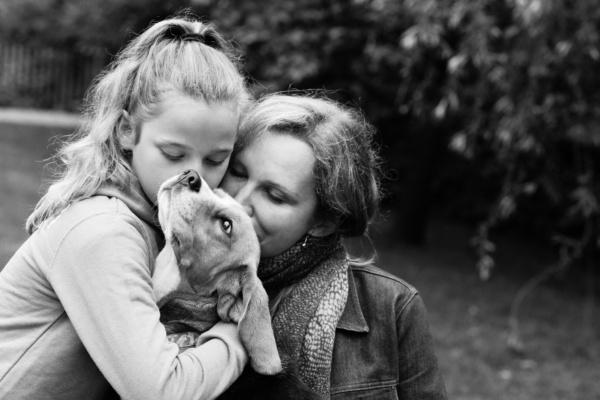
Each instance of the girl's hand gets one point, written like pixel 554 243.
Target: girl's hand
pixel 185 340
pixel 226 331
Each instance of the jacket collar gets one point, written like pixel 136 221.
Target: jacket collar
pixel 352 318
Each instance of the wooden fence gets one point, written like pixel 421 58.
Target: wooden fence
pixel 43 77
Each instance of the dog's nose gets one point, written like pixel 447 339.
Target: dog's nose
pixel 192 179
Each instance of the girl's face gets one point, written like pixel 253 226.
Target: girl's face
pixel 273 180
pixel 187 134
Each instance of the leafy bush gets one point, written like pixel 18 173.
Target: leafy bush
pixel 487 109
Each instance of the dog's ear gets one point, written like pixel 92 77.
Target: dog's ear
pixel 256 332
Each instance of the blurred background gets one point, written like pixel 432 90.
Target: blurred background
pixel 488 119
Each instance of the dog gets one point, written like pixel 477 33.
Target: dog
pixel 211 250
pixel 207 272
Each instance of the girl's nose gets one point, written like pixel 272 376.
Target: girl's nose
pixel 191 179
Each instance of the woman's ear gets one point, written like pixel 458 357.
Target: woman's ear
pixel 322 228
pixel 125 131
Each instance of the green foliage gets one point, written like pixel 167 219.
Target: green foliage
pixel 508 85
pixel 85 26
pixel 533 112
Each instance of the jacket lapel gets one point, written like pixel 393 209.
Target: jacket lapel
pixel 352 318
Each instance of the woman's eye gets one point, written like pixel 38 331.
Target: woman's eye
pixel 236 172
pixel 171 156
pixel 227 226
pixel 275 197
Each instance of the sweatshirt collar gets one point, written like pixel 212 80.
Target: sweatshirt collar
pixel 133 196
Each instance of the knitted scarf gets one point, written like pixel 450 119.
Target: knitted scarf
pixel 308 287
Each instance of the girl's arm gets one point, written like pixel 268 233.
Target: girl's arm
pixel 101 275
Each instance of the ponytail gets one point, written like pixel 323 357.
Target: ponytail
pixel 177 54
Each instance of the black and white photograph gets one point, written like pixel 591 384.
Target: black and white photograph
pixel 299 199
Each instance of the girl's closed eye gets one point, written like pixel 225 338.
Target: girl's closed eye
pixel 216 161
pixel 171 155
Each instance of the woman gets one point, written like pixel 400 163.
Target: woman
pixel 307 174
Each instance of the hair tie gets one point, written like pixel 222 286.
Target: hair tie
pixel 179 33
pixel 208 40
pixel 192 37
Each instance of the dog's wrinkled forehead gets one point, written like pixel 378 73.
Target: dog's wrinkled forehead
pixel 218 205
pixel 220 193
pixel 227 206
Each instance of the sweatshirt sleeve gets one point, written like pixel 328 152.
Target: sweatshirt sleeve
pixel 102 279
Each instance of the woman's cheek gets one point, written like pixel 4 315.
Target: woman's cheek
pixel 272 218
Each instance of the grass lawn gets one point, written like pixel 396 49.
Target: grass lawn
pixel 469 318
pixel 469 321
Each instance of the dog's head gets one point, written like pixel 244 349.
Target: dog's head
pixel 209 232
pixel 211 249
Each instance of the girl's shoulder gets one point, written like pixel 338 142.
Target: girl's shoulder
pixel 91 211
pixel 99 218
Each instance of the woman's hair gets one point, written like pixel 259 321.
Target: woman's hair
pixel 180 55
pixel 347 167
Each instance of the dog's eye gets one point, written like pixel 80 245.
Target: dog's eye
pixel 227 226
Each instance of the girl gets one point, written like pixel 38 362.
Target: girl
pixel 308 176
pixel 77 311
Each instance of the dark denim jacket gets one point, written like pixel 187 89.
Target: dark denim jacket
pixel 383 348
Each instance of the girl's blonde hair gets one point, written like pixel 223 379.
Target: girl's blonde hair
pixel 181 54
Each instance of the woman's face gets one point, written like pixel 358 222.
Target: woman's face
pixel 273 180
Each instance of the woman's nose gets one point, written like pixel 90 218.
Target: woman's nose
pixel 191 179
pixel 249 210
pixel 243 197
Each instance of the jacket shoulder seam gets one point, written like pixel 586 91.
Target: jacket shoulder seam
pixel 402 305
pixel 402 301
pixel 372 270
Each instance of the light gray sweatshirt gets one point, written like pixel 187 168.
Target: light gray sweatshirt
pixel 78 314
